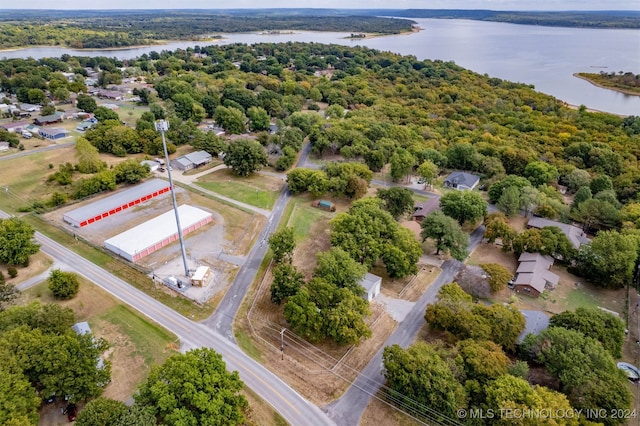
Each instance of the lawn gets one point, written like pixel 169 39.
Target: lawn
pixel 303 216
pixel 257 190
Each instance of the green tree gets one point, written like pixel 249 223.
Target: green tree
pixel 63 285
pixel 88 157
pixel 287 281
pixel 194 388
pixel 601 183
pixel 231 119
pixel 245 157
pixel 258 119
pixel 336 267
pixel 461 155
pixel 513 393
pixel 104 114
pixel 481 360
pixel 48 110
pixel 539 172
pixel 419 374
pixel 397 201
pixel 16 242
pixel 19 401
pixel 577 179
pixel 595 213
pixel 130 171
pixel 401 257
pixel 282 244
pixel 496 189
pixel 447 233
pixel 499 276
pixel 595 323
pixel 464 206
pixel 8 293
pixel 497 226
pixel 509 201
pixel 101 412
pixel 427 172
pixel 582 194
pixel 402 162
pixel 49 318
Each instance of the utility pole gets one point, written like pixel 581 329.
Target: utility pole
pixel 162 126
pixel 282 342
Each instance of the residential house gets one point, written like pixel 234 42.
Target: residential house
pixel 575 235
pixel 56 117
pixel 533 274
pixel 461 181
pixel 192 160
pixel 52 133
pixel 371 284
pixel 30 107
pixel 111 94
pixel 422 210
pixel 15 126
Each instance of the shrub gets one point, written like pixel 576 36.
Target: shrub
pixel 12 271
pixel 63 285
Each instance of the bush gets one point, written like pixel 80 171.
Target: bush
pixel 12 271
pixel 63 285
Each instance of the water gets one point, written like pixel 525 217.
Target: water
pixel 546 57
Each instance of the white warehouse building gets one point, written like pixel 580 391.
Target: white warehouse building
pixel 156 233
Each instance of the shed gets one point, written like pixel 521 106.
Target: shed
pixel 201 277
pixel 371 284
pixel 461 181
pixel 154 234
pixel 81 328
pixel 53 133
pixel 192 160
pixel 324 205
pixel 153 166
pixel 4 146
pixel 116 203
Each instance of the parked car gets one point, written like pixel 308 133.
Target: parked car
pixel 26 134
pixel 71 411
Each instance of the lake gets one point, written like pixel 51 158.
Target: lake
pixel 546 57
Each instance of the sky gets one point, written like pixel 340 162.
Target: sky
pixel 333 4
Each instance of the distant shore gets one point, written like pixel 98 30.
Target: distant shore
pixel 615 89
pixel 136 46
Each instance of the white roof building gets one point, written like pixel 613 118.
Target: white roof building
pixel 156 233
pixel 371 284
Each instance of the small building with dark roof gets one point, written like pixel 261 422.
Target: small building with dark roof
pixel 461 181
pixel 52 133
pixel 422 210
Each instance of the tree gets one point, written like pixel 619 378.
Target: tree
pixel 464 206
pixel 582 194
pixel 497 226
pixel 427 172
pixel 499 276
pixel 588 373
pixel 245 157
pixel 577 179
pixel 514 393
pixel 447 233
pixel 231 119
pixel 282 244
pixel 287 281
pixel 397 201
pixel 19 401
pixel 601 183
pixel 48 110
pixel 88 157
pixel 130 171
pixel 595 323
pixel 104 114
pixel 461 156
pixel 419 374
pixel 401 257
pixel 258 119
pixel 101 412
pixel 539 172
pixel 49 318
pixel 495 190
pixel 8 293
pixel 194 388
pixel 595 213
pixel 509 201
pixel 336 267
pixel 481 360
pixel 402 162
pixel 63 285
pixel 16 243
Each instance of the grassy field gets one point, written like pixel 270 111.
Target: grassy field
pixel 303 216
pixel 257 190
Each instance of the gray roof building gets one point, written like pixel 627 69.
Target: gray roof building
pixel 192 160
pixel 575 235
pixel 422 210
pixel 461 180
pixel 371 284
pixel 534 275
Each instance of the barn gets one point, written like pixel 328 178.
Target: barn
pixel 116 203
pixel 154 234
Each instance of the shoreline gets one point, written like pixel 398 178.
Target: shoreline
pixel 577 107
pixel 615 89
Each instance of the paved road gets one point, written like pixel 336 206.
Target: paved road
pixel 349 408
pixel 222 318
pixel 295 409
pixel 33 151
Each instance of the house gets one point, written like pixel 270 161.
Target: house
pixel 112 107
pixel 201 277
pixel 192 160
pixel 461 181
pixel 422 210
pixel 4 146
pixel 533 274
pixel 153 166
pixel 30 107
pixel 53 133
pixel 371 284
pixel 575 235
pixel 15 126
pixel 56 117
pixel 111 94
pixel 85 125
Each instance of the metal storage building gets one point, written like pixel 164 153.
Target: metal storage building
pixel 152 235
pixel 192 160
pixel 116 203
